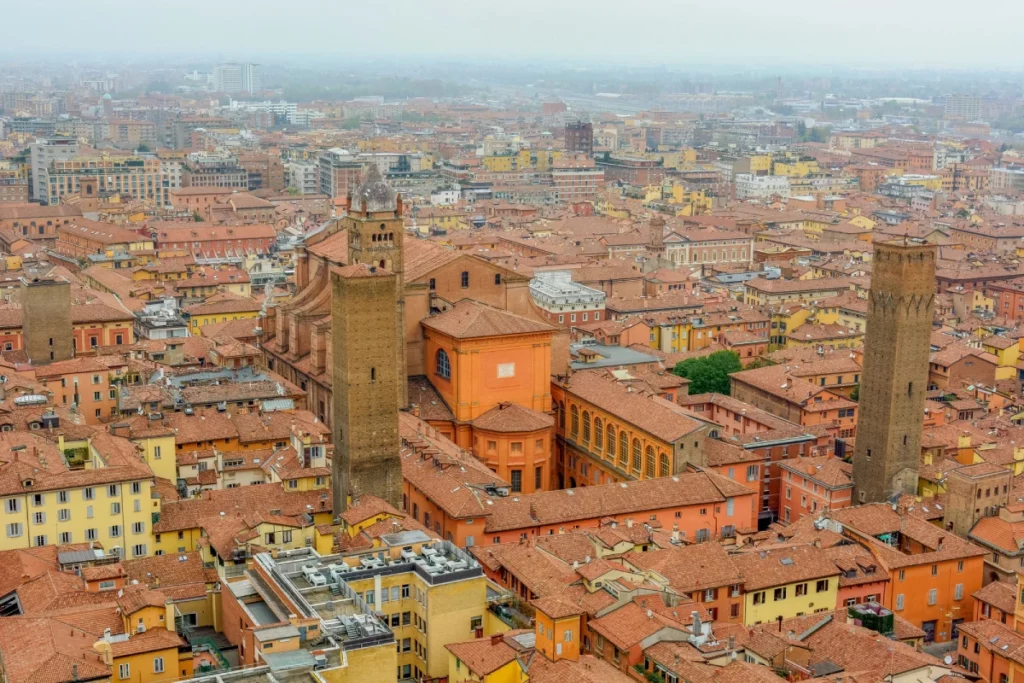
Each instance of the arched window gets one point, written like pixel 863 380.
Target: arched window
pixel 664 465
pixel 561 415
pixel 623 449
pixel 575 425
pixel 444 364
pixel 637 456
pixel 586 427
pixel 611 442
pixel 649 462
pixel 598 434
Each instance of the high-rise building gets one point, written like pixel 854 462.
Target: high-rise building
pixel 579 137
pixel 897 347
pixel 227 78
pixel 238 78
pixel 369 347
pixel 252 78
pixel 42 154
pixel 963 107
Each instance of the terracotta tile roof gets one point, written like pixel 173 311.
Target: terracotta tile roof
pixel 999 533
pixel 632 623
pixel 166 571
pixel 224 302
pixel 423 396
pixel 593 502
pixel 652 414
pixel 42 650
pixel 876 519
pixel 826 470
pixel 482 656
pixel 469 319
pixel 587 669
pixel 999 594
pixel 511 417
pixel 149 641
pixel 423 256
pixel 367 507
pixel 770 568
pixel 689 568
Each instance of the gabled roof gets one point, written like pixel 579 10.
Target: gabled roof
pixel 469 319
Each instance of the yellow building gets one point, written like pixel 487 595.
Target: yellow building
pixel 440 598
pixel 1006 351
pixel 797 167
pixel 221 308
pixel 761 164
pixel 801 580
pixel 104 498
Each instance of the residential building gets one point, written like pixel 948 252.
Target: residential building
pixel 42 154
pixel 787 582
pixel 814 484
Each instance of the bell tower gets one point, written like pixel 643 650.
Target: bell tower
pixel 374 224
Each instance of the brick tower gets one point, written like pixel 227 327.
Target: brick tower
pixel 368 346
pixel 896 350
pixel 46 313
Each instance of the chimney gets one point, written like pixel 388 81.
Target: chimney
pixel 496 638
pixel 696 623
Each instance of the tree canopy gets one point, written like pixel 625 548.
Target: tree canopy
pixel 709 373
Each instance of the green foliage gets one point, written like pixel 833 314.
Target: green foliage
pixel 709 373
pixel 143 148
pixel 196 217
pixel 963 213
pixel 855 394
pixel 760 363
pixel 350 124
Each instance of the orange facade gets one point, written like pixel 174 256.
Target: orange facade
pixel 498 389
pixel 926 594
pixel 83 383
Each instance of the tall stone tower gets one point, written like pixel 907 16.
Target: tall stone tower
pixel 46 314
pixel 375 233
pixel 369 384
pixel 896 350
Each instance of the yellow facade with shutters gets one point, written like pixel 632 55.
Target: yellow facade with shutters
pixel 116 515
pixel 790 600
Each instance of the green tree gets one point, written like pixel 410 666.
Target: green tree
pixel 709 373
pixel 759 363
pixel 196 217
pixel 142 148
pixel 855 394
pixel 350 124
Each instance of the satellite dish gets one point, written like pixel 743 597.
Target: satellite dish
pixel 948 659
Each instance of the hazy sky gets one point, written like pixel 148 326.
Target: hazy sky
pixel 812 32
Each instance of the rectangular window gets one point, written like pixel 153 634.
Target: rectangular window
pixel 158 665
pixel 822 586
pixel 780 594
pixel 13 530
pixel 517 480
pixel 899 601
pixel 64 537
pixel 139 550
pixel 933 596
pixel 63 515
pixel 139 528
pixel 124 671
pixel 958 592
pixel 115 508
pixel 115 531
pixel 40 541
pixel 39 518
pixel 91 534
pixel 801 589
pixel 62 496
pixel 13 505
pixel 88 494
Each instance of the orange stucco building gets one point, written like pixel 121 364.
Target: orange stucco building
pixel 491 369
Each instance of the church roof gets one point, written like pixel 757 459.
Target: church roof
pixel 468 319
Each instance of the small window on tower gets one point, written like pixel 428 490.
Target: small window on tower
pixel 465 279
pixel 373 374
pixel 910 388
pixel 497 278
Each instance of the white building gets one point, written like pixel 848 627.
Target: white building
pixel 446 197
pixel 237 78
pixel 564 301
pixel 761 186
pixel 304 176
pixel 42 153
